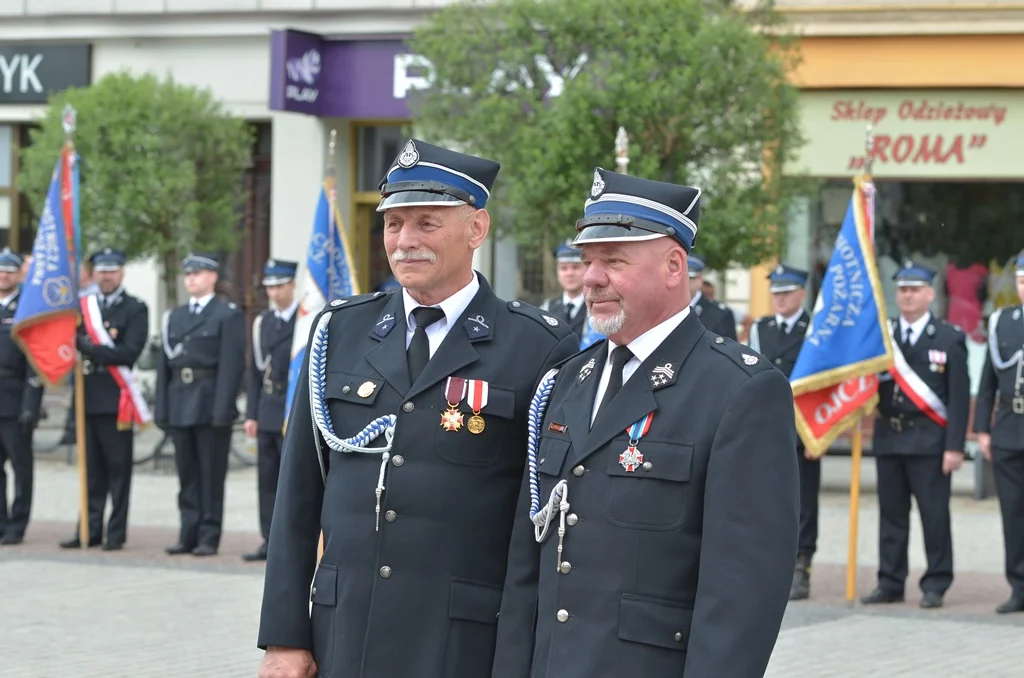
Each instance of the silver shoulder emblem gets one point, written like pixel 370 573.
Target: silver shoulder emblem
pixel 749 359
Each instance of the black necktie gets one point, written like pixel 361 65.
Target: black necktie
pixel 195 307
pixel 419 349
pixel 906 336
pixel 620 356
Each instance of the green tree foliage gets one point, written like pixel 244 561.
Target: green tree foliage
pixel 162 167
pixel 543 85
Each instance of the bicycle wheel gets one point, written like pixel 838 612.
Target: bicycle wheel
pixel 162 448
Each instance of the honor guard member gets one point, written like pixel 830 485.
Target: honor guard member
pixel 412 461
pixel 779 338
pixel 923 405
pixel 657 528
pixel 272 333
pixel 199 376
pixel 1002 441
pixel 569 307
pixel 714 315
pixel 124 321
pixel 21 396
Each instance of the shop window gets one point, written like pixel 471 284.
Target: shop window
pixel 378 147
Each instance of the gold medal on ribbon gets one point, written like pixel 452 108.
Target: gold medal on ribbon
pixel 477 397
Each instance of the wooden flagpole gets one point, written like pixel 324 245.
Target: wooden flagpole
pixel 69 120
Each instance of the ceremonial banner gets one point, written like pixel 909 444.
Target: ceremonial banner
pixel 835 379
pixel 329 274
pixel 590 335
pixel 45 322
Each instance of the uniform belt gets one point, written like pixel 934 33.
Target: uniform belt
pixel 89 367
pixel 1016 404
pixel 275 387
pixel 903 422
pixel 187 375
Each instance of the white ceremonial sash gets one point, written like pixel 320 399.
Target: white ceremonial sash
pixel 916 389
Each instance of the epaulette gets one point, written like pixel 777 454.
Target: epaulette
pixel 232 305
pixel 751 362
pixel 553 324
pixel 349 302
pixel 721 306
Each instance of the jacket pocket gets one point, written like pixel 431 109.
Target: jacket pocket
pixel 481 449
pixel 653 495
pixel 472 628
pixel 652 621
pixel 324 596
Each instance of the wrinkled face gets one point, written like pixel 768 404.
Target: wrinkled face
pixel 914 301
pixel 570 276
pixel 200 283
pixel 788 303
pixel 282 295
pixel 1020 287
pixel 696 284
pixel 108 281
pixel 8 281
pixel 431 248
pixel 629 286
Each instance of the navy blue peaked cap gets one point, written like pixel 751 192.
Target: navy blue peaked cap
pixel 565 252
pixel 108 259
pixel 9 261
pixel 787 279
pixel 200 261
pixel 913 275
pixel 623 208
pixel 427 175
pixel 279 271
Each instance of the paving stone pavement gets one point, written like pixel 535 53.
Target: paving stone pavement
pixel 140 613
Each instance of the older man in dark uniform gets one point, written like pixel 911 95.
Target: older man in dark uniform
pixel 569 306
pixel 199 376
pixel 109 438
pixel 272 333
pixel 714 315
pixel 21 396
pixel 920 429
pixel 657 529
pixel 1002 440
pixel 778 338
pixel 412 459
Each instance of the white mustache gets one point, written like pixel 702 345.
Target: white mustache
pixel 414 255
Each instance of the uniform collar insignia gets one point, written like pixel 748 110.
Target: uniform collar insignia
pixel 697 308
pixel 930 330
pixel 477 328
pixel 1016 314
pixel 662 376
pixel 585 371
pixel 385 324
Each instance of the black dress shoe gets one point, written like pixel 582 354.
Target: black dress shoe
pixel 931 600
pixel 1014 604
pixel 257 555
pixel 113 546
pixel 11 539
pixel 177 550
pixel 75 543
pixel 881 596
pixel 204 550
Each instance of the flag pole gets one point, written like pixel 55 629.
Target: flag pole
pixel 856 453
pixel 69 120
pixel 331 201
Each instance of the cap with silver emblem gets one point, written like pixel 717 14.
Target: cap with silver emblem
pixel 424 175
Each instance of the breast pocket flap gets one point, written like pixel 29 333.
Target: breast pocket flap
pixel 352 388
pixel 501 402
pixel 325 586
pixel 656 622
pixel 475 601
pixel 662 460
pixel 551 455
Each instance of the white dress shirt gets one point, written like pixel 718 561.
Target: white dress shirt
pixel 787 323
pixel 201 302
pixel 574 304
pixel 453 308
pixel 642 347
pixel 916 328
pixel 286 314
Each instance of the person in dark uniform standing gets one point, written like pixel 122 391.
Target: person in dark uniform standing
pixel 199 376
pixel 923 406
pixel 714 315
pixel 657 528
pixel 272 333
pixel 1002 441
pixel 779 338
pixel 569 307
pixel 21 397
pixel 109 446
pixel 413 462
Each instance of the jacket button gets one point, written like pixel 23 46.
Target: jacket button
pixel 385 572
pixel 679 637
pixel 408 407
pixel 516 304
pixel 778 361
pixel 648 466
pixel 578 471
pixel 398 460
pixel 346 389
pixel 719 340
pixel 313 592
pixel 562 616
pixel 565 567
pixel 572 519
pixel 390 516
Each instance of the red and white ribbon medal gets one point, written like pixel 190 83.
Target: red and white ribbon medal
pixel 632 457
pixel 454 392
pixel 477 401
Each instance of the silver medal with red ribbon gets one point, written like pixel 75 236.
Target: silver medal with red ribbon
pixel 632 457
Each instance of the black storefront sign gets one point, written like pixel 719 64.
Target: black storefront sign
pixel 30 73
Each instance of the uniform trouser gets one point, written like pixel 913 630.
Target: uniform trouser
pixel 108 466
pixel 269 449
pixel 201 455
pixel 899 478
pixel 810 487
pixel 1008 470
pixel 16 447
